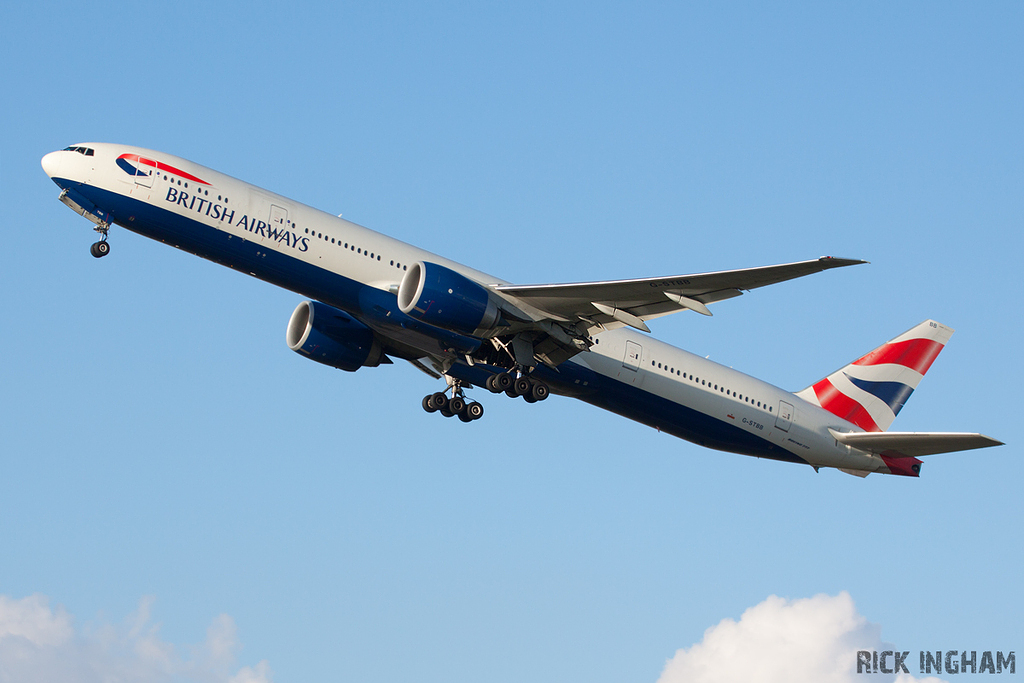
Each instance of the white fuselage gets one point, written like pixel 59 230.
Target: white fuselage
pixel 336 261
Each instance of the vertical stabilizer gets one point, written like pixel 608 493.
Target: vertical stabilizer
pixel 871 391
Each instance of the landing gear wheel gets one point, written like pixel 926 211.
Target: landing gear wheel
pixel 99 249
pixel 522 386
pixel 529 398
pixel 540 391
pixel 457 405
pixel 492 384
pixel 503 382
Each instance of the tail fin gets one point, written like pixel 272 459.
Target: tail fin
pixel 871 391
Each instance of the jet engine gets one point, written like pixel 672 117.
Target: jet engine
pixel 443 298
pixel 332 337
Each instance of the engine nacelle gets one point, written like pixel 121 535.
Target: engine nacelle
pixel 441 297
pixel 332 337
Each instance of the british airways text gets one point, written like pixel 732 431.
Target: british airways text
pixel 221 213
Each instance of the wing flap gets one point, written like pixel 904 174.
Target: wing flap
pixel 913 444
pixel 648 298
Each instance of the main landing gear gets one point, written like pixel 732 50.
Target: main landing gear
pixel 101 248
pixel 532 390
pixel 456 405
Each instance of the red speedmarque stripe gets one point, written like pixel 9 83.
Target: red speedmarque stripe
pixel 916 354
pixel 841 405
pixel 160 166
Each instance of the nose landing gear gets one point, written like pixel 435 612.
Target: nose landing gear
pixel 101 248
pixel 100 218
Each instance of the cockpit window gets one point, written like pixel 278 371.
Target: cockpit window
pixel 81 150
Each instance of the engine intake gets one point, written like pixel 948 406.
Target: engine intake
pixel 331 336
pixel 441 297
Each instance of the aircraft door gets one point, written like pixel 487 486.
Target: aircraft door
pixel 630 372
pixel 144 170
pixel 785 418
pixel 633 354
pixel 267 221
pixel 278 218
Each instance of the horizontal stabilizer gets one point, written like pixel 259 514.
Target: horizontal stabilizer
pixel 913 444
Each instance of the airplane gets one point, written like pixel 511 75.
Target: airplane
pixel 372 298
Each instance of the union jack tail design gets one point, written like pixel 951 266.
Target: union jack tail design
pixel 871 391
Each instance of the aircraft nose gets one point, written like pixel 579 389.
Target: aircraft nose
pixel 51 163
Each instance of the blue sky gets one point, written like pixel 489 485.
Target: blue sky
pixel 167 461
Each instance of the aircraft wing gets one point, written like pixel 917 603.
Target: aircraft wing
pixel 630 302
pixel 913 444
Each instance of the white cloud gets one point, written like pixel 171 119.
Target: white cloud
pixel 812 640
pixel 32 620
pixel 39 643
